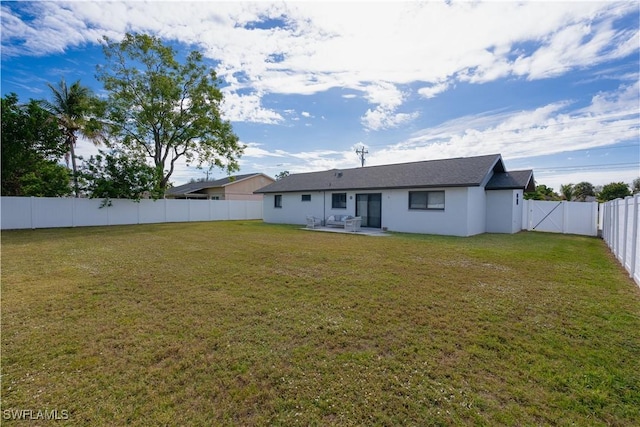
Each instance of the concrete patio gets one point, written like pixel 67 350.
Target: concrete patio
pixel 362 231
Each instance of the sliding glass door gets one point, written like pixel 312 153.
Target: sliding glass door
pixel 369 208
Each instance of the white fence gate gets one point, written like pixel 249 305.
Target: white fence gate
pixel 621 231
pixel 53 212
pixel 561 217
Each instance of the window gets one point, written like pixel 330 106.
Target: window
pixel 306 197
pixel 339 201
pixel 426 199
pixel 277 201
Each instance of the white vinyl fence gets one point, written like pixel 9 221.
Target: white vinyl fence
pixel 561 217
pixel 621 231
pixel 53 212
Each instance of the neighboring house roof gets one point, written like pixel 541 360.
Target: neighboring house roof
pixel 196 187
pixel 458 172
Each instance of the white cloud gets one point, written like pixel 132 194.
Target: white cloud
pixel 388 98
pixel 254 149
pixel 611 118
pixel 247 108
pixel 433 90
pixel 382 118
pixel 325 45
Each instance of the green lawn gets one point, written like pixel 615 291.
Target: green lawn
pixel 243 323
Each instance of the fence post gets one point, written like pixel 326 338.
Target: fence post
pixel 32 213
pixel 616 227
pixel 634 236
pixel 625 229
pixel 606 222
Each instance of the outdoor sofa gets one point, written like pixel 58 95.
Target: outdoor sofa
pixel 337 220
pixel 348 222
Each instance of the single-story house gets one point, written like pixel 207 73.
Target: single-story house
pixel 459 197
pixel 238 187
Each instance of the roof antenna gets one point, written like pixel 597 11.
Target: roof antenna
pixel 361 152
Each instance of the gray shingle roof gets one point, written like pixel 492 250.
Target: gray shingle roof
pixel 458 172
pixel 194 187
pixel 511 180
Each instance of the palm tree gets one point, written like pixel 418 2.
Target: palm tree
pixel 72 107
pixel 567 191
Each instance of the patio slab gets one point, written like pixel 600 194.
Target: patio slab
pixel 363 231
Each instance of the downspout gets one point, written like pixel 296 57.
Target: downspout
pixel 324 205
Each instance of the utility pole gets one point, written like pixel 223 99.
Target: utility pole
pixel 361 152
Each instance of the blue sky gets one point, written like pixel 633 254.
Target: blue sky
pixel 552 86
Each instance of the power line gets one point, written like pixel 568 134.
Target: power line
pixel 600 166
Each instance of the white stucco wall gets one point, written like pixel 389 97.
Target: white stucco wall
pixel 504 211
pixel 465 212
pixel 476 212
pixel 397 216
pixel 293 210
pixel 517 200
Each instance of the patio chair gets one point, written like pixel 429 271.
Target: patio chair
pixel 313 222
pixel 353 224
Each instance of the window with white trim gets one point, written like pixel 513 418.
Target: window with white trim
pixel 425 200
pixel 339 201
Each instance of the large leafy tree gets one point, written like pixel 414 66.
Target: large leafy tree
pixel 115 175
pixel 635 186
pixel 165 109
pixel 32 144
pixel 582 190
pixel 614 190
pixel 74 108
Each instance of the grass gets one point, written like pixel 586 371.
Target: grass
pixel 244 323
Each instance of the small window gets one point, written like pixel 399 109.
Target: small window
pixel 277 201
pixel 306 197
pixel 426 200
pixel 339 201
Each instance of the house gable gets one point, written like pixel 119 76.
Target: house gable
pixel 522 179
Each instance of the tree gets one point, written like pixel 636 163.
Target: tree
pixel 542 193
pixel 582 190
pixel 72 106
pixel 635 186
pixel 50 179
pixel 163 109
pixel 566 190
pixel 115 175
pixel 31 146
pixel 614 190
pixel 281 175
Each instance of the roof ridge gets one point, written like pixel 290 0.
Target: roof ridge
pixel 399 164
